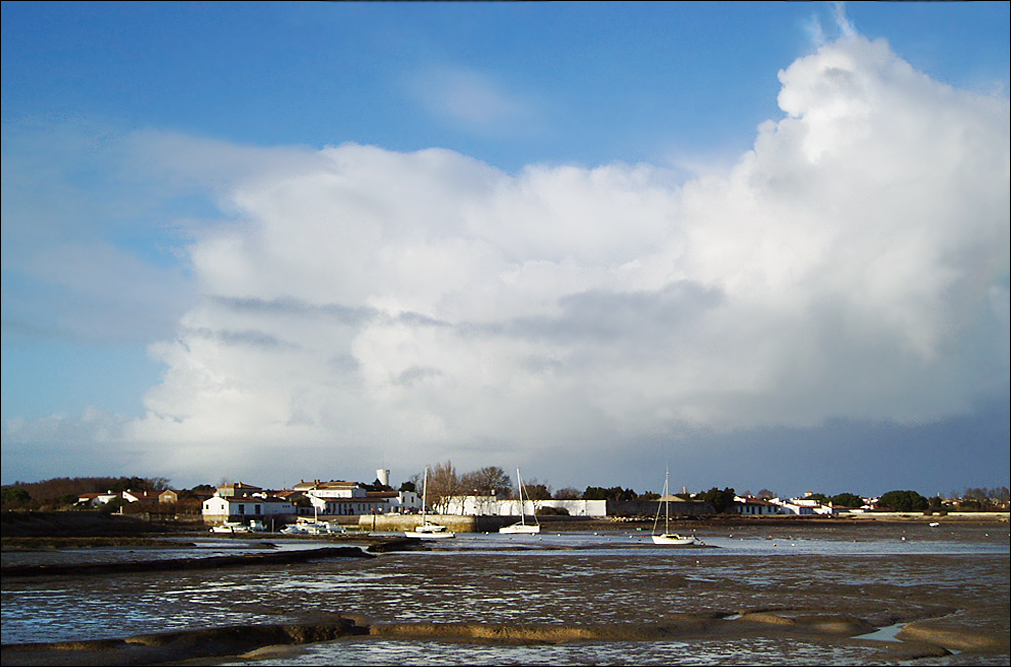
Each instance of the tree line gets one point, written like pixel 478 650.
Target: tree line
pixel 65 492
pixel 444 483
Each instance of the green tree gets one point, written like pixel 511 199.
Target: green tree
pixel 847 500
pixel 568 493
pixel 615 493
pixel 14 496
pixel 720 500
pixel 904 501
pixel 536 490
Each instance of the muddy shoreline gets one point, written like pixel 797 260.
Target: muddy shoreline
pixel 918 639
pixel 180 564
pixel 953 608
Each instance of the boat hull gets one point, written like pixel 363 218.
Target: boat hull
pixel 673 540
pixel 520 529
pixel 429 536
pixel 430 531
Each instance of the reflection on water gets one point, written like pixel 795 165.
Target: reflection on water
pixel 558 579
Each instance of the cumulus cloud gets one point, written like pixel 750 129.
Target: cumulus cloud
pixel 852 265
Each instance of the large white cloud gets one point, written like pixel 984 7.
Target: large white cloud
pixel 418 305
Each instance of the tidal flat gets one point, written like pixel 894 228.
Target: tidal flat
pixel 755 594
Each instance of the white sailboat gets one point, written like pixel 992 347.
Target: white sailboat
pixel 428 530
pixel 668 538
pixel 521 528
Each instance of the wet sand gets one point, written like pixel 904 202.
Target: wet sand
pixel 954 608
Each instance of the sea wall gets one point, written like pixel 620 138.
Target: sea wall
pixel 398 523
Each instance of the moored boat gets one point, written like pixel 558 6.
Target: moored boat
pixel 428 530
pixel 667 538
pixel 521 528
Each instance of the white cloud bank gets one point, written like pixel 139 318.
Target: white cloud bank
pixel 417 306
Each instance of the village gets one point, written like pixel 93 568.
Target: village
pixel 240 507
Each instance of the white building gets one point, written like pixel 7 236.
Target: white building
pixel 402 502
pixel 340 498
pixel 137 496
pixel 219 509
pixel 804 506
pixel 490 505
pixel 96 499
pixel 750 506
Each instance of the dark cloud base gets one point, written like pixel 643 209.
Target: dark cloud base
pixel 844 456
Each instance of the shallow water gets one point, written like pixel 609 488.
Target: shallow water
pixel 555 579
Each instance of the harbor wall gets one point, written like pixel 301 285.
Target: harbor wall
pixel 398 523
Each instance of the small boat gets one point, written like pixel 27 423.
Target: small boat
pixel 230 527
pixel 668 538
pixel 313 526
pixel 428 530
pixel 521 528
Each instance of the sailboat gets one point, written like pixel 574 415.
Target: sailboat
pixel 428 530
pixel 668 538
pixel 521 528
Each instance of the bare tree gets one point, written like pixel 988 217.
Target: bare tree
pixel 443 484
pixel 488 481
pixel 568 493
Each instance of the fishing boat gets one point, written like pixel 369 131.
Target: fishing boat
pixel 522 528
pixel 428 530
pixel 667 538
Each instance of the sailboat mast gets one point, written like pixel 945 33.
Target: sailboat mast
pixel 666 491
pixel 424 497
pixel 519 482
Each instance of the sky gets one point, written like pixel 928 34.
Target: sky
pixel 764 245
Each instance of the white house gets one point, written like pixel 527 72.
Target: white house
pixel 755 506
pixel 406 501
pixel 136 496
pixel 96 499
pixel 332 489
pixel 804 506
pixel 219 509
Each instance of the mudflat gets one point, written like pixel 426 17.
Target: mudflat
pixel 823 586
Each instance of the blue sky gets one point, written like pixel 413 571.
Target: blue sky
pixel 276 241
